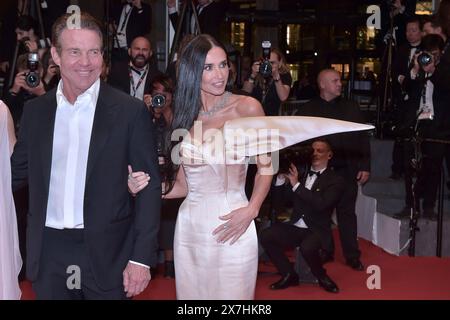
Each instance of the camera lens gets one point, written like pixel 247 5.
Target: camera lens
pixel 265 69
pixel 158 101
pixel 32 79
pixel 424 59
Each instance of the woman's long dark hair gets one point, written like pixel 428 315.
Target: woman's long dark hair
pixel 187 103
pixel 187 98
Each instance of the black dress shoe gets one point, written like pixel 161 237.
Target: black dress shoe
pixel 328 284
pixel 289 280
pixel 355 264
pixel 325 256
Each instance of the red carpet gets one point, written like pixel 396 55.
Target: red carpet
pixel 401 278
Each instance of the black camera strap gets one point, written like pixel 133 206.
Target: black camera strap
pixel 141 79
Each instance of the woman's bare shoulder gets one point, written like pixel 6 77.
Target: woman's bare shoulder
pixel 248 106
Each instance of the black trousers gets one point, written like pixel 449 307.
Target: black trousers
pixel 428 181
pixel 64 258
pixel 398 153
pixel 347 224
pixel 280 236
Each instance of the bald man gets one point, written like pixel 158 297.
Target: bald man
pixel 135 76
pixel 351 161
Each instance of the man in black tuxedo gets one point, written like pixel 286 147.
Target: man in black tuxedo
pixel 131 19
pixel 135 77
pixel 401 66
pixel 428 86
pixel 210 16
pixel 84 240
pixel 315 196
pixel 351 160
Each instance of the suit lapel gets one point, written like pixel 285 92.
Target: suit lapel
pixel 47 126
pixel 316 185
pixel 105 112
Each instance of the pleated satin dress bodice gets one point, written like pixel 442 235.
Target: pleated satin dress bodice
pixel 206 269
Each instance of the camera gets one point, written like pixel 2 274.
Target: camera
pixel 300 157
pixel 32 77
pixel 424 59
pixel 158 101
pixel 265 67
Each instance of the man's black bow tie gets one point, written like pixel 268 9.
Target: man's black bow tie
pixel 311 173
pixel 414 47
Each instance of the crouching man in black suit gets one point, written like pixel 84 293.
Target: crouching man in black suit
pixel 314 195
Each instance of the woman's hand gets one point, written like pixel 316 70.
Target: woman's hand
pixel 237 222
pixel 137 181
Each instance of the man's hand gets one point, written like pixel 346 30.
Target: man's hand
pixel 292 176
pixel 148 101
pixel 19 82
pixel 31 45
pixel 37 91
pixel 135 279
pixel 362 177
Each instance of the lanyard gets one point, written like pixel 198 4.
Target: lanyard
pixel 125 18
pixel 135 88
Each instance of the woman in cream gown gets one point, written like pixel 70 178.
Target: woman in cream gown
pixel 10 260
pixel 215 245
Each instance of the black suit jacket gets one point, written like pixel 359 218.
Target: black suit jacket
pixel 351 149
pixel 209 19
pixel 315 206
pixel 119 77
pixel 122 134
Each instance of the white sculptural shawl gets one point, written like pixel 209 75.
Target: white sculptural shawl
pixel 10 260
pixel 251 136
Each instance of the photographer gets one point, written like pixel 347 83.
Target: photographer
pixel 135 76
pixel 26 33
pixel 270 88
pixel 315 193
pixel 159 102
pixel 429 91
pixel 403 63
pixel 27 84
pixel 51 74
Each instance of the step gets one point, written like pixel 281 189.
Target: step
pixel 391 204
pixel 378 186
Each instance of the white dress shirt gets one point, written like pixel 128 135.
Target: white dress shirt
pixel 426 108
pixel 310 179
pixel 71 139
pixel 138 84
